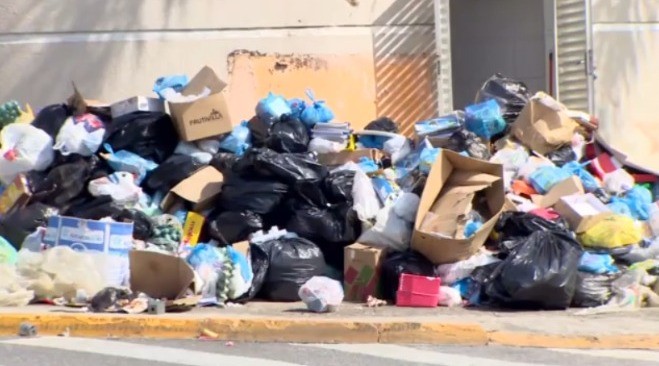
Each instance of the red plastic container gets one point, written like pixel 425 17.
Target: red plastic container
pixel 418 291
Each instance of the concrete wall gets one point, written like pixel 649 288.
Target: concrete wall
pixel 506 36
pixel 366 58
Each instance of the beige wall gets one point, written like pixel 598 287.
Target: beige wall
pixel 369 59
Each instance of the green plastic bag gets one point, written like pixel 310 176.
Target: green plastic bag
pixel 8 254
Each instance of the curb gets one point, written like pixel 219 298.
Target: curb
pixel 290 330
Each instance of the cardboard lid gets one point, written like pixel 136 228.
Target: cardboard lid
pixel 161 276
pixel 205 183
pixel 205 78
pixel 567 187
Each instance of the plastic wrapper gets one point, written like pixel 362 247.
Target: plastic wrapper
pixel 485 119
pixel 365 200
pixel 618 181
pixel 232 227
pixel 82 135
pixel 510 94
pixel 612 232
pixel 13 287
pixel 126 161
pixel 24 148
pixel 288 135
pixel 539 273
pixel 441 125
pixel 597 263
pixel 393 224
pixel 593 290
pixel 589 182
pixel 382 124
pixel 562 156
pixel 449 297
pixel 468 141
pixel 397 263
pixel 192 150
pixel 322 294
pixel 454 272
pixel 322 146
pixel 397 148
pixel 546 177
pixel 151 135
pixel 238 140
pixel 120 186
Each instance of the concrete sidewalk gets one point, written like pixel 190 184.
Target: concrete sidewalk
pixel 354 323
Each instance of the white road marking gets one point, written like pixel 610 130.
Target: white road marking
pixel 407 354
pixel 636 355
pixel 142 352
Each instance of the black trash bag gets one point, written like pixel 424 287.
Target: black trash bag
pixel 286 167
pixel 258 196
pixel 331 228
pixel 593 289
pixel 16 225
pixel 513 226
pixel 170 173
pixel 288 135
pixel 258 131
pixel 151 135
pixel 142 224
pixel 338 186
pixel 384 124
pixel 468 141
pixel 397 263
pixel 260 262
pixel 562 156
pixel 539 273
pixel 510 94
pixel 224 161
pixel 51 119
pixel 89 207
pixel 62 184
pixel 292 262
pixel 231 227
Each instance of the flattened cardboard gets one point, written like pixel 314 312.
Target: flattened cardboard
pixel 567 187
pixel 205 117
pixel 201 188
pixel 161 276
pixel 448 250
pixel 362 268
pixel 340 158
pixel 17 195
pixel 137 104
pixel 542 128
pixel 582 211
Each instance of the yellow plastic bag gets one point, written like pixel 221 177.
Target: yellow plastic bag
pixel 612 232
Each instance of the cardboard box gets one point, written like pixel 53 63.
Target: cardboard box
pixel 567 187
pixel 159 275
pixel 340 158
pixel 112 238
pixel 16 195
pixel 200 189
pixel 450 188
pixel 137 104
pixel 205 117
pixel 361 274
pixel 582 211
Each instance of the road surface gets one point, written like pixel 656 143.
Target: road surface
pixel 55 351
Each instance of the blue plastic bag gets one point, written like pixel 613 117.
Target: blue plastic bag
pixel 639 201
pixel 597 263
pixel 271 108
pixel 297 106
pixel 126 161
pixel 485 119
pixel 368 165
pixel 318 112
pixel 176 82
pixel 587 179
pixel 546 177
pixel 238 141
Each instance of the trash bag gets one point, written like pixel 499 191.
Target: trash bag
pixel 394 224
pixel 639 201
pixel 23 148
pixel 338 186
pixel 331 228
pixel 297 106
pixel 171 172
pixel 513 226
pixel 397 263
pixel 322 294
pixel 271 108
pixel 546 177
pixel 224 162
pixel 151 135
pixel 258 131
pixel 18 224
pixel 286 168
pixel 62 184
pixel 589 182
pixel 539 273
pixel 511 95
pixel 92 208
pixel 612 232
pixel 120 186
pixel 50 119
pixel 468 141
pixel 292 262
pixel 142 224
pixel 562 156
pixel 82 135
pixel 363 196
pixel 259 263
pixel 593 290
pixel 485 119
pixel 255 195
pixel 288 135
pixel 383 124
pixel 237 141
pixel 231 227
pixel 192 150
pixel 318 112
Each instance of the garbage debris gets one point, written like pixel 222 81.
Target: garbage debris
pixel 322 294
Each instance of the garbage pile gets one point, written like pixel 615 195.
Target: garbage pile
pixel 157 204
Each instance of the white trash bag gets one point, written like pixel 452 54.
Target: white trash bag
pixel 321 294
pixel 393 224
pixel 24 148
pixel 82 135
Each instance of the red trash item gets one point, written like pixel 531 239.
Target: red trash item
pixel 414 300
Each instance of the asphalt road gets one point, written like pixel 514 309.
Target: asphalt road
pixel 45 351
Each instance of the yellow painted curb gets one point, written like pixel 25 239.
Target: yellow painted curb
pixel 305 330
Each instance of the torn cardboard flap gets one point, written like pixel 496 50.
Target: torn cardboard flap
pixel 161 276
pixel 205 78
pixel 80 105
pixel 567 187
pixel 200 189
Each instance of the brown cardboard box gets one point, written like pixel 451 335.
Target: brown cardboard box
pixel 582 211
pixel 137 104
pixel 452 183
pixel 206 117
pixel 544 125
pixel 16 195
pixel 201 188
pixel 361 271
pixel 161 276
pixel 340 158
pixel 567 187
